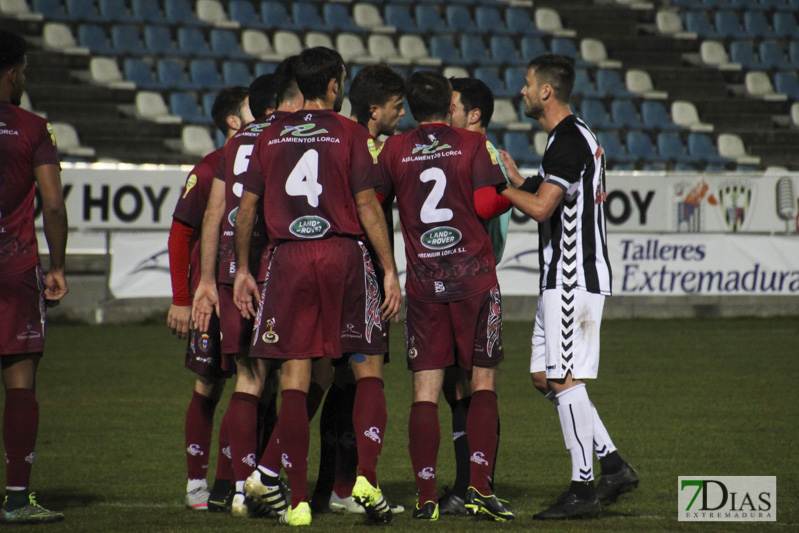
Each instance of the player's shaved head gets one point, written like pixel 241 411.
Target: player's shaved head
pixel 557 71
pixel 429 96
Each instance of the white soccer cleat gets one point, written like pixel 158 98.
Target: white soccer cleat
pixel 197 499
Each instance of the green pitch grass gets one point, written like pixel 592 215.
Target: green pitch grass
pixel 679 397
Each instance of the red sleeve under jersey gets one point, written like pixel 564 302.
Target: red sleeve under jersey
pixel 489 204
pixel 179 252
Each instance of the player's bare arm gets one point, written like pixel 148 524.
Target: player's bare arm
pixel 540 205
pixel 374 224
pixel 206 297
pixel 510 167
pixel 54 212
pixel 245 290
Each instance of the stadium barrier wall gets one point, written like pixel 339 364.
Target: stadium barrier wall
pixel 680 244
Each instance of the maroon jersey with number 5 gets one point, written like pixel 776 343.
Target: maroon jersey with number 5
pixel 308 166
pixel 434 171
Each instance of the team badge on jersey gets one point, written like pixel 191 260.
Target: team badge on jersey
pixel 190 183
pixel 270 336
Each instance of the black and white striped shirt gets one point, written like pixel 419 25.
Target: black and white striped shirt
pixel 573 242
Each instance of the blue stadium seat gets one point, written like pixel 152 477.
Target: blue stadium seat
pixel 185 106
pixel 614 150
pixel 400 17
pixel 93 37
pixel 655 117
pixel 306 16
pixel 728 25
pixel 181 12
pixel 225 44
pixel 756 25
pixel 474 50
pixel 793 52
pixel 148 11
pixel 141 73
pixel 514 80
pixel 685 167
pixel 671 146
pixel 699 23
pixel 205 75
pixel 208 99
pixel 625 114
pixel 489 21
pixel 116 11
pixel 786 83
pixel 158 40
pixel 264 67
pixel 518 21
pixel 244 12
pixel 594 114
pixel 337 18
pixel 610 84
pixel 443 47
pixel 51 10
pixel 236 73
pixel 459 20
pixel 192 41
pixel 428 18
pixel 533 47
pixel 744 53
pixel 640 145
pixel 583 86
pixel 83 11
pixel 504 50
pixel 520 148
pixel 701 146
pixel 565 46
pixel 785 25
pixel 490 77
pixel 126 38
pixel 772 56
pixel 173 75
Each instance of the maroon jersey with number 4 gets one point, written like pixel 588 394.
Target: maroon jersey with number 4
pixel 307 166
pixel 235 162
pixel 434 171
pixel 26 142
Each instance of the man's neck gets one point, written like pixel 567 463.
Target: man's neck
pixel 555 116
pixel 318 104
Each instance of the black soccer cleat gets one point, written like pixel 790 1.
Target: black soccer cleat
pixel 428 512
pixel 489 505
pixel 611 486
pixel 452 504
pixel 221 497
pixel 569 506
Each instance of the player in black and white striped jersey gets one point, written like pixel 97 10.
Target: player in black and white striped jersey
pixel 568 200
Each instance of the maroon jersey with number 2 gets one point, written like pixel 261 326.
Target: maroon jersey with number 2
pixel 434 171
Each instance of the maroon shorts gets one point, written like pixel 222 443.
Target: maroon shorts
pixel 236 330
pixel 320 299
pixel 22 313
pixel 467 333
pixel 203 355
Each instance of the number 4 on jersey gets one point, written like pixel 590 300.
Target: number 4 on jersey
pixel 304 178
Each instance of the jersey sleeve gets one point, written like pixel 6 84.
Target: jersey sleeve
pixel 486 171
pixel 45 151
pixel 252 180
pixel 365 170
pixel 562 162
pixel 194 198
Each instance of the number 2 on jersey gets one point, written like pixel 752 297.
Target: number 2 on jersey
pixel 431 213
pixel 304 178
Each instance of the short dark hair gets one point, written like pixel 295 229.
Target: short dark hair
pixel 429 95
pixel 374 85
pixel 12 50
pixel 556 70
pixel 228 102
pixel 263 94
pixel 286 77
pixel 315 68
pixel 475 95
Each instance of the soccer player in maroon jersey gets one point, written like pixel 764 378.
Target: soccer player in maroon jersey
pixel 231 111
pixel 242 416
pixel 444 179
pixel 28 158
pixel 377 95
pixel 316 176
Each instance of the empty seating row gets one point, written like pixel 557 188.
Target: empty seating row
pixel 727 25
pixel 175 12
pixel 749 5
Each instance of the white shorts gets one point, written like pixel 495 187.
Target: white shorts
pixel 566 334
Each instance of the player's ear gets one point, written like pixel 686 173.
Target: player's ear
pixel 373 112
pixel 233 122
pixel 474 116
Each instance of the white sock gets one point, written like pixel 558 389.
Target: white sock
pixel 267 471
pixel 195 484
pixel 603 444
pixel 240 487
pixel 577 423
